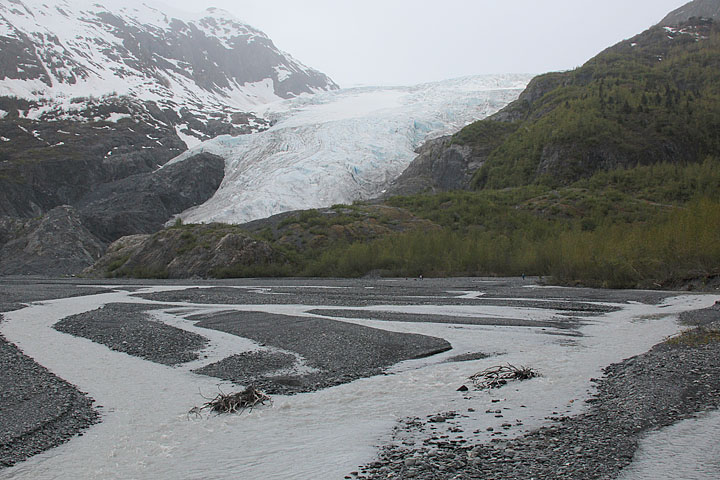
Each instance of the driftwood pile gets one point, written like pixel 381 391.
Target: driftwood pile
pixel 234 402
pixel 499 375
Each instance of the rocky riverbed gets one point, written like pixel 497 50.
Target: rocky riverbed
pixel 359 336
pixel 38 410
pixel 673 381
pixel 128 328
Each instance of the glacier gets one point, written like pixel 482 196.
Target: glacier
pixel 340 146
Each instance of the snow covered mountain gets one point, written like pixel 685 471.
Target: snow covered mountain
pixel 92 92
pixel 63 55
pixel 337 147
pixel 96 95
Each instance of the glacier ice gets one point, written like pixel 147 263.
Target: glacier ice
pixel 340 146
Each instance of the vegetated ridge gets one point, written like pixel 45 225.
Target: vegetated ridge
pixel 647 100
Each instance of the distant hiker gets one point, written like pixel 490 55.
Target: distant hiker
pixel 523 276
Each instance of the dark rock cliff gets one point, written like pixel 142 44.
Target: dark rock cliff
pixel 44 164
pixel 56 244
pixel 143 203
pixel 439 166
pixel 68 239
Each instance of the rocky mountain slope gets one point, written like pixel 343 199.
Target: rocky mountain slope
pixel 96 96
pixel 67 239
pixel 649 99
pixel 54 52
pixel 696 8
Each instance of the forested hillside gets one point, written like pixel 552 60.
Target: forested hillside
pixel 651 99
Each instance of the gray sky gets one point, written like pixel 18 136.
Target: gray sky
pixel 405 42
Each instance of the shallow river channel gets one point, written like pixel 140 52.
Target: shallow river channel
pixel 567 335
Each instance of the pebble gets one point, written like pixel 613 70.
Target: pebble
pixel 27 431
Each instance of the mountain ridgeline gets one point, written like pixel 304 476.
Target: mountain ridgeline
pixel 696 8
pixel 650 99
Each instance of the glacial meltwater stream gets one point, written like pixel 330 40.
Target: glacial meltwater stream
pixel 146 431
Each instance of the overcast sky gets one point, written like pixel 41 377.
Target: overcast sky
pixel 405 42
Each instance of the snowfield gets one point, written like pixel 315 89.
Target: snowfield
pixel 341 146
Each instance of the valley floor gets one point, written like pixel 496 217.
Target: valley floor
pixel 352 364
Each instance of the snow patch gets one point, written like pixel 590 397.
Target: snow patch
pixel 115 117
pixel 259 93
pixel 282 73
pixel 190 141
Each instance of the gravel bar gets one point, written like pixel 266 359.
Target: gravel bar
pixel 247 367
pixel 340 352
pixel 127 328
pixel 562 323
pixel 449 291
pixel 38 410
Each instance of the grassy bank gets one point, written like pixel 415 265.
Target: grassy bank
pixel 682 244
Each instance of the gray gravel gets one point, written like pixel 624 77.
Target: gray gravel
pixel 38 410
pixel 127 328
pixel 340 351
pixel 364 292
pixel 250 368
pixel 469 357
pixel 560 322
pixel 663 386
pixel 16 292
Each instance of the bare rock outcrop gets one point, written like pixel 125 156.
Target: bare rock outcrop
pixel 55 244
